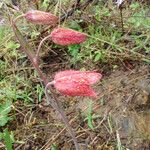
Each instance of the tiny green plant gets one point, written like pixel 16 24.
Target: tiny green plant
pixel 45 3
pixel 8 139
pixel 5 108
pixel 54 147
pixel 13 46
pixel 74 52
pixel 89 115
pixel 40 92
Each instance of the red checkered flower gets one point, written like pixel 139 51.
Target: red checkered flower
pixel 76 83
pixel 41 17
pixel 63 36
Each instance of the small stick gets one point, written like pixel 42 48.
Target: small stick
pixel 121 15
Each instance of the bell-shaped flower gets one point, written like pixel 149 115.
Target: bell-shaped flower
pixel 64 36
pixel 76 83
pixel 41 17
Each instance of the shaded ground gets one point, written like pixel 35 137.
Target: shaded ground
pixel 123 113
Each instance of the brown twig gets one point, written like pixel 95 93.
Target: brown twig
pixel 121 16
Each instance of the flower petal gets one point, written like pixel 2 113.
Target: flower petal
pixel 85 77
pixel 64 36
pixel 75 89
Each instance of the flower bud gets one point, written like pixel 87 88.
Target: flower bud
pixel 63 36
pixel 41 17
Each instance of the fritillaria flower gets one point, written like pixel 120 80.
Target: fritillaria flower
pixel 41 17
pixel 64 36
pixel 76 83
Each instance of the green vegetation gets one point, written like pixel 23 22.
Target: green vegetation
pixel 8 139
pixel 109 40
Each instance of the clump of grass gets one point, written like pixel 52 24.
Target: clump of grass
pixel 108 41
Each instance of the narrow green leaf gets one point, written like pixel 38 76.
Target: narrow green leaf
pixel 54 147
pixel 12 45
pixel 146 60
pixel 4 110
pixel 119 147
pixel 98 56
pixel 7 139
pixel 1 135
pixel 74 49
pixel 89 116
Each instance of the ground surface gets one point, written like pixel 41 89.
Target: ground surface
pixel 123 109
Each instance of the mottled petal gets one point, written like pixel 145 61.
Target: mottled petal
pixel 85 77
pixel 75 89
pixel 64 36
pixel 41 17
pixel 65 73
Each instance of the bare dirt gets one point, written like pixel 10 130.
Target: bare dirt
pixel 122 110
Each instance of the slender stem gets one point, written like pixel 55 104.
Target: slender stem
pixel 112 44
pixel 39 47
pixel 121 16
pixel 17 18
pixel 49 84
pixel 40 73
pixel 54 103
